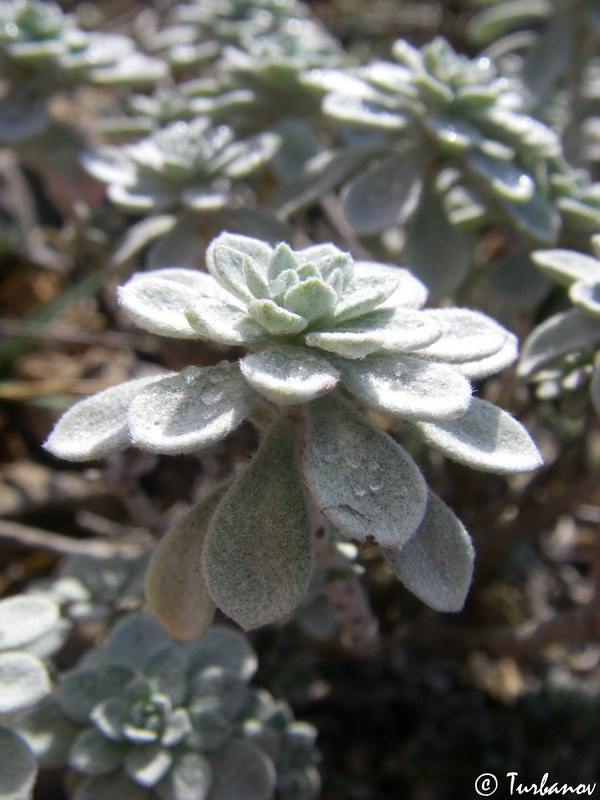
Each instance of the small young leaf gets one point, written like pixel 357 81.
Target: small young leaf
pixel 258 549
pixel 436 564
pixel 18 768
pixel 97 426
pixel 174 583
pixel 310 299
pixel 485 438
pixel 406 386
pixel 288 374
pixel 275 319
pixel 191 410
pixel 241 772
pixel 363 481
pixel 561 334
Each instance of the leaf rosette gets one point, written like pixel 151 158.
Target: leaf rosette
pixel 327 336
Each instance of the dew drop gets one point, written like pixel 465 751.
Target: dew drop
pixel 212 396
pixel 376 487
pixel 353 462
pixel 359 491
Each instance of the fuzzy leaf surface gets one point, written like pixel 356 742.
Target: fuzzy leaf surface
pixel 18 767
pixel 213 318
pixel 287 374
pixel 174 583
pixel 94 427
pixel 24 619
pixel 407 387
pixel 258 549
pixel 436 564
pixel 241 772
pixel 363 481
pixel 567 266
pixel 191 410
pixel 23 681
pixel 466 335
pixel 485 438
pixel 190 778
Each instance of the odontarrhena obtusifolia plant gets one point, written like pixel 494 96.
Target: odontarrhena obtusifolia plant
pixel 330 339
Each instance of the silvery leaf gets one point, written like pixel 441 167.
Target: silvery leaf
pixel 81 689
pixel 23 681
pixel 485 437
pixel 586 294
pixel 440 260
pixel 483 367
pixel 24 619
pixel 109 164
pixel 97 426
pixel 407 387
pixel 218 691
pixel 144 197
pixel 189 778
pixel 241 772
pixel 258 551
pixel 578 216
pixel 288 374
pixel 278 321
pixel 370 111
pixel 132 70
pixel 141 234
pixel 247 156
pixel 178 247
pixel 452 133
pixel 147 764
pixel 191 410
pixel 523 132
pixel 504 178
pixel 174 582
pixel 561 334
pixel 466 335
pixel 436 564
pixel 94 754
pixel 365 295
pixel 384 195
pixel 209 730
pixel 24 112
pixel 363 481
pixel 222 321
pixel 156 301
pixel 227 265
pixel 536 218
pixel 18 767
pixel 205 199
pixel 567 266
pixel 493 22
pixel 382 329
pixel 310 299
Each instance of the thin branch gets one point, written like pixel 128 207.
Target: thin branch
pixel 39 539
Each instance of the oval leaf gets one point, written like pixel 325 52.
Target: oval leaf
pixel 258 550
pixel 363 481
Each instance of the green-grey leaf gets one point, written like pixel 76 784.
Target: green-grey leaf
pixel 94 754
pixel 24 619
pixel 561 334
pixel 217 691
pixel 191 410
pixel 442 260
pixel 174 583
pixel 215 319
pixel 504 178
pixel 278 321
pixel 241 772
pixel 258 550
pixel 23 681
pixel 535 218
pixel 586 294
pixel 485 438
pixel 363 481
pixel 407 387
pixel 147 764
pixel 83 688
pixel 179 247
pixel 209 730
pixel 310 299
pixel 385 194
pixel 97 426
pixel 48 732
pixel 18 768
pixel 483 367
pixel 190 778
pixel 437 563
pixel 140 234
pixel 133 640
pixel 567 266
pixel 288 374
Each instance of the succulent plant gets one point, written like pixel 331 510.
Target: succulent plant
pixel 433 121
pixel 143 716
pixel 327 335
pixel 561 354
pixel 42 51
pixel 30 629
